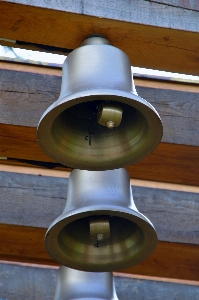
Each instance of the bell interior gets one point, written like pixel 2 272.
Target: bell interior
pixel 125 241
pixel 77 133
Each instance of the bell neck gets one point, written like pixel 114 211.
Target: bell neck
pixel 75 284
pixel 96 65
pixel 95 40
pixel 94 188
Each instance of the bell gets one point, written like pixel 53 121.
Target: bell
pixel 99 122
pixel 74 284
pixel 100 229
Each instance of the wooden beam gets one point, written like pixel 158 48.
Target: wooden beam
pixel 15 139
pixel 25 244
pixel 36 282
pixel 133 276
pixel 170 260
pixel 173 213
pixel 153 290
pixel 39 283
pixel 104 10
pixel 176 109
pixel 148 40
pixel 62 172
pixel 168 163
pixel 30 90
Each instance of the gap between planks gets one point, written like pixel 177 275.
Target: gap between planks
pixel 142 82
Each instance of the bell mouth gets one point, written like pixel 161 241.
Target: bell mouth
pixel 70 134
pixel 132 239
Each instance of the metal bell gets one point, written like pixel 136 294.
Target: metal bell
pixel 100 229
pixel 99 122
pixel 74 284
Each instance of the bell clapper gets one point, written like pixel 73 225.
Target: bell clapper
pixel 100 238
pixel 99 228
pixel 110 124
pixel 109 114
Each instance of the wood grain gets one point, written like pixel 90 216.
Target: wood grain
pixel 33 200
pixel 179 111
pixel 124 11
pixel 32 92
pixel 27 167
pixel 168 163
pixel 20 142
pixel 159 39
pixel 20 282
pixel 174 260
pixel 170 260
pixel 25 244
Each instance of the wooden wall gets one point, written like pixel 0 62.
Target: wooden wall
pixel 34 282
pixel 161 35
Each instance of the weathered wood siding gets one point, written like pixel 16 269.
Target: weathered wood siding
pixel 33 283
pixel 31 200
pixel 32 93
pixel 153 35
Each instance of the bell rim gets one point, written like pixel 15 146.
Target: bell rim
pixel 65 101
pixel 49 116
pixel 150 241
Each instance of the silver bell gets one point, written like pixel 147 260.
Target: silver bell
pixel 99 122
pixel 100 229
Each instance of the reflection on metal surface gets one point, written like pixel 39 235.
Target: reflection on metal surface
pixel 97 88
pixel 106 198
pixel 73 284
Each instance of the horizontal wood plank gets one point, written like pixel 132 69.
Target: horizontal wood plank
pixel 63 26
pixel 168 163
pixel 179 111
pixel 31 92
pixel 27 167
pixel 27 283
pixel 20 142
pixel 147 38
pixel 103 9
pixel 38 200
pixel 169 260
pixel 20 282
